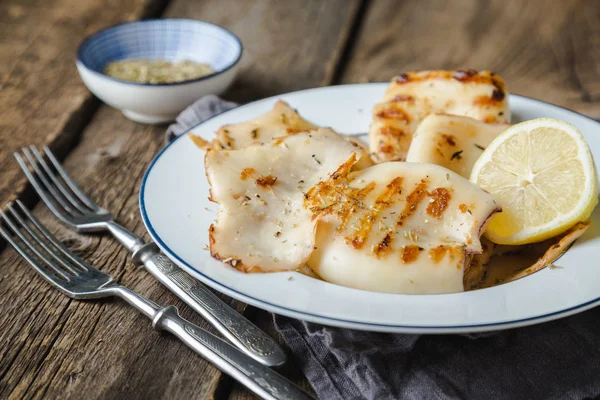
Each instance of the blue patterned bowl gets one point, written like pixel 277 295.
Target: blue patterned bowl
pixel 170 39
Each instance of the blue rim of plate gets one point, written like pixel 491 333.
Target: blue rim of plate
pixel 336 321
pixel 92 36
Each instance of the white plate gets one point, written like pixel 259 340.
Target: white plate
pixel 177 213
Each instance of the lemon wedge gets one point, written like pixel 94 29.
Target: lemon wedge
pixel 543 175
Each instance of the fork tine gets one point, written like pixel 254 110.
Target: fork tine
pixel 53 279
pixel 57 196
pixel 70 182
pixel 41 241
pixel 32 248
pixel 65 192
pixel 77 260
pixel 42 188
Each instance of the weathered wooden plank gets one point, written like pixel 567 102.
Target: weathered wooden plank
pixel 547 51
pixel 54 347
pixel 42 99
pixel 288 45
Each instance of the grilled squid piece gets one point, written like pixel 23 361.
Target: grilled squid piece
pixel 281 121
pixel 452 141
pixel 199 142
pixel 414 95
pixel 397 227
pixel 261 223
pixel 364 159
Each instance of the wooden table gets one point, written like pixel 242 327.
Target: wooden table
pixel 52 347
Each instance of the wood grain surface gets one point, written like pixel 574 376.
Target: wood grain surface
pixel 549 50
pixel 52 347
pixel 288 45
pixel 42 98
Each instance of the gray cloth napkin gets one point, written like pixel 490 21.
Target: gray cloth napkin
pixel 555 360
pixel 201 110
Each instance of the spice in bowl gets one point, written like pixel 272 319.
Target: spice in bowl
pixel 157 71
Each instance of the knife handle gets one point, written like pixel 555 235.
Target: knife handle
pixel 231 324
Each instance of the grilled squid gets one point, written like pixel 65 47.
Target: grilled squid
pixel 397 227
pixel 414 95
pixel 452 141
pixel 262 224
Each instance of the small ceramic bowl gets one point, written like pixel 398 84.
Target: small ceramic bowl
pixel 170 39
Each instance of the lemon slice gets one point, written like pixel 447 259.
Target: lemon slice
pixel 542 173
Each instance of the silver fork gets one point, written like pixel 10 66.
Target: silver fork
pixel 67 202
pixel 79 280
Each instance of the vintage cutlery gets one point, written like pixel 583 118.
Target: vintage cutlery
pixel 79 280
pixel 67 202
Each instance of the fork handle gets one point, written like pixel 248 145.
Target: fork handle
pixel 231 324
pixel 261 380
